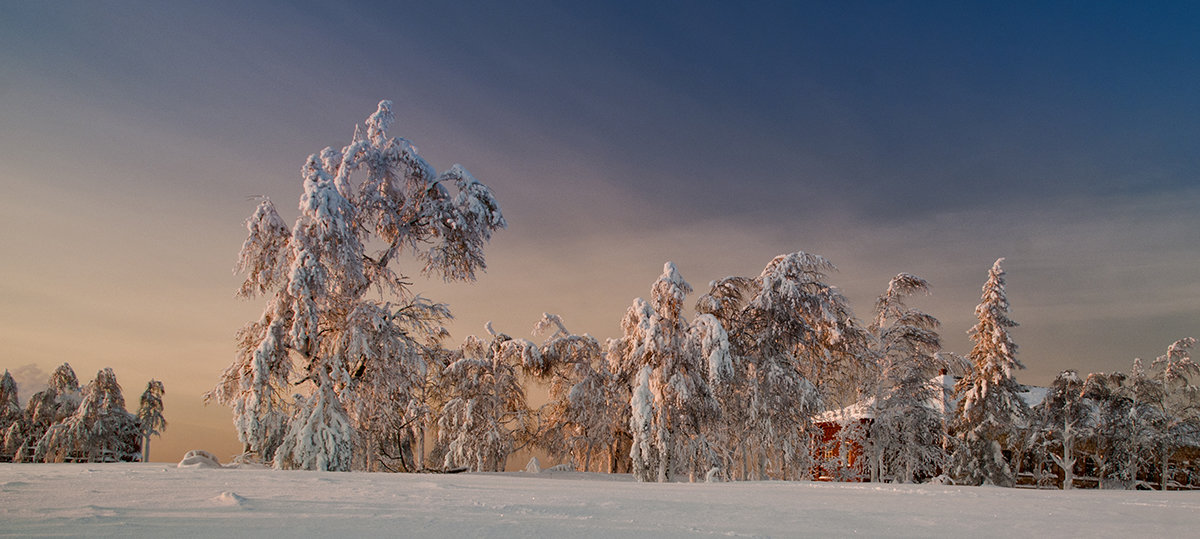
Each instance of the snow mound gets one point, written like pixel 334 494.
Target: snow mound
pixel 941 480
pixel 246 461
pixel 533 466
pixel 229 499
pixel 199 458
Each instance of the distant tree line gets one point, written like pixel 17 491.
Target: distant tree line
pixel 1138 428
pixel 347 368
pixel 66 423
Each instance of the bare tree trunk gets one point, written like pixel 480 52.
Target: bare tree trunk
pixel 420 456
pixel 744 462
pixel 1069 462
pixel 1166 466
pixel 1133 470
pixel 664 447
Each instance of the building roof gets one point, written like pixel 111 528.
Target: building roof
pixel 943 401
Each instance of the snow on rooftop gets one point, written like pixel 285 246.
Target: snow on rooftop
pixel 944 401
pixel 1034 395
pixel 858 410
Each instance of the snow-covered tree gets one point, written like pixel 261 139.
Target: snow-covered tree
pixel 486 415
pixel 1110 435
pixel 796 342
pixel 10 405
pixel 319 436
pixel 1065 419
pixel 54 404
pixel 1178 403
pixel 906 438
pixel 10 414
pixel 588 408
pixel 13 444
pixel 1142 419
pixel 150 415
pixel 386 432
pixel 1176 372
pixel 256 385
pixel 990 410
pixel 677 364
pixel 100 430
pixel 1145 420
pixel 330 317
pixel 796 310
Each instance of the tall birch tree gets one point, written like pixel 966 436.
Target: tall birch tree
pixel 341 322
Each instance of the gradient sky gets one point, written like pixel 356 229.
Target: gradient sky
pixel 918 137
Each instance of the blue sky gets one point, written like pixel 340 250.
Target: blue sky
pixel 929 138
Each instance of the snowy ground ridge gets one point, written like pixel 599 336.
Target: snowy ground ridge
pixel 144 500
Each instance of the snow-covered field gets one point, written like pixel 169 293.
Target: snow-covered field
pixel 164 501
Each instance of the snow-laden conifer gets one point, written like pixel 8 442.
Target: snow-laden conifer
pixel 150 415
pixel 990 410
pixel 100 430
pixel 338 310
pixel 13 444
pixel 10 409
pixel 52 405
pixel 10 404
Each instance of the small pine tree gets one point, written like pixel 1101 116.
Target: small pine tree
pixel 990 410
pixel 150 415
